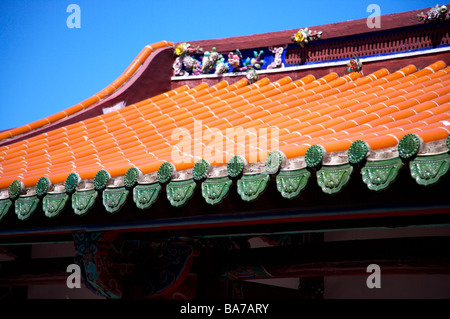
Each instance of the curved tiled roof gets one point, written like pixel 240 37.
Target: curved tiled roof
pixel 332 111
pixel 326 121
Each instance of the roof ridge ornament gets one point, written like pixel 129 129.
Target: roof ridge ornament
pixel 251 75
pixel 354 65
pixel 436 13
pixel 304 36
pixel 238 65
pixel 184 53
pixel 211 60
pixel 278 59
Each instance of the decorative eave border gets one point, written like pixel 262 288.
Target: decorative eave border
pixel 427 162
pixel 316 65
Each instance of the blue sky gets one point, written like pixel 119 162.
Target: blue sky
pixel 46 67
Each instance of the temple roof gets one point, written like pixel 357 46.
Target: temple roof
pixel 236 130
pixel 332 111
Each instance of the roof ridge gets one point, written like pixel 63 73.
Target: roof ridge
pixel 331 30
pixel 305 111
pixel 107 91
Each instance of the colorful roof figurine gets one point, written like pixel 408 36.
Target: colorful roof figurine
pixel 291 114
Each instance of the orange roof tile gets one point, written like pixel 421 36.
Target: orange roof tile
pixel 333 111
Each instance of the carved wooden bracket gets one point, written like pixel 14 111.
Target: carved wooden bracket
pixel 118 267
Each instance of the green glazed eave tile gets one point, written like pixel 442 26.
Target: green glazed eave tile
pixel 314 155
pixel 82 201
pixel 131 177
pixel 15 189
pixel 291 183
pixel 25 206
pixel 427 170
pixel 235 166
pixel 53 204
pixel 101 179
pixel 200 169
pixel 214 190
pixel 409 146
pixel 179 192
pixel 250 187
pixel 42 186
pixel 332 178
pixel 5 204
pixel 273 162
pixel 114 198
pixel 357 151
pixel 72 182
pixel 145 195
pixel 378 175
pixel 165 172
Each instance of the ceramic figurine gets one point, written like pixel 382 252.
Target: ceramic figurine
pixel 278 62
